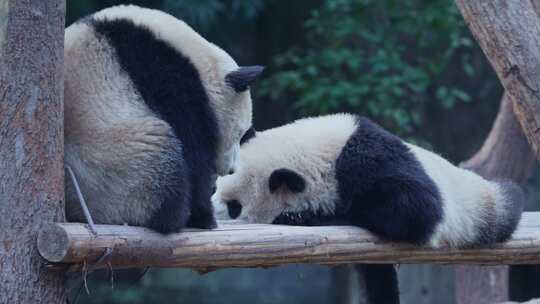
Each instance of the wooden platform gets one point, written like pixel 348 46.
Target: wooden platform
pixel 253 245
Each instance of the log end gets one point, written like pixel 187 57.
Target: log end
pixel 53 243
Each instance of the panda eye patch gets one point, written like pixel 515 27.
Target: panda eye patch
pixel 234 208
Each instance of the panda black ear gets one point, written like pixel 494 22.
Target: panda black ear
pixel 250 133
pixel 243 77
pixel 286 177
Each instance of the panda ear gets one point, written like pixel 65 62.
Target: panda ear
pixel 243 77
pixel 286 177
pixel 250 133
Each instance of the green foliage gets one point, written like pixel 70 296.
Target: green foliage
pixel 381 58
pixel 207 13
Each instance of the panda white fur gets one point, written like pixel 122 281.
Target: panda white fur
pixel 152 112
pixel 344 169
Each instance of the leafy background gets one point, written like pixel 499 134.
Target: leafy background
pixel 410 65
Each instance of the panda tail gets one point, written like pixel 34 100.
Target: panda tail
pixel 509 200
pixel 509 203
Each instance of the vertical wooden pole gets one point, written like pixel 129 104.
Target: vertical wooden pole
pixel 31 145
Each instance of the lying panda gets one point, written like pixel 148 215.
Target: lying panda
pixel 344 169
pixel 152 112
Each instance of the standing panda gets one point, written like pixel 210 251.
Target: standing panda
pixel 343 169
pixel 153 112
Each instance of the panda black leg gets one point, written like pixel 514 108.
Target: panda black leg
pixel 175 210
pixel 203 217
pixel 172 217
pixel 381 283
pixel 202 212
pixel 80 196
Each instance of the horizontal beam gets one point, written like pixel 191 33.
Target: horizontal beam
pixel 256 245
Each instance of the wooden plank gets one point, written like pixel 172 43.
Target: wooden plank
pixel 256 245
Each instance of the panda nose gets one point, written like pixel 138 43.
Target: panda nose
pixel 234 209
pixel 231 171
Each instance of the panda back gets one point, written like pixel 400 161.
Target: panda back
pixel 384 188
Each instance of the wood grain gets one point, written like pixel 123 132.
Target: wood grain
pixel 505 153
pixel 509 34
pixel 31 145
pixel 258 245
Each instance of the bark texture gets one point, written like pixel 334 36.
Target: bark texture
pixel 505 152
pixel 31 145
pixel 259 245
pixel 509 34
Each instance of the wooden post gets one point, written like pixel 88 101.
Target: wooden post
pixel 31 145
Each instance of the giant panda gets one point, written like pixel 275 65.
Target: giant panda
pixel 153 112
pixel 346 169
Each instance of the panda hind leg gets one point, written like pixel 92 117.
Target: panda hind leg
pixel 203 218
pixel 173 215
pixel 175 191
pixel 380 282
pixel 202 212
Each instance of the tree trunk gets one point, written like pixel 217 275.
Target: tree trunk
pixel 509 34
pixel 504 154
pixel 31 145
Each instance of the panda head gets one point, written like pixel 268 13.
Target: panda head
pixel 285 171
pixel 233 110
pixel 260 198
pixel 225 83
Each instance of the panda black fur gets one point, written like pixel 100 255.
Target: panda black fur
pixel 152 112
pixel 344 169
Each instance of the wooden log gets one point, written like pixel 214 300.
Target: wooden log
pixel 258 245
